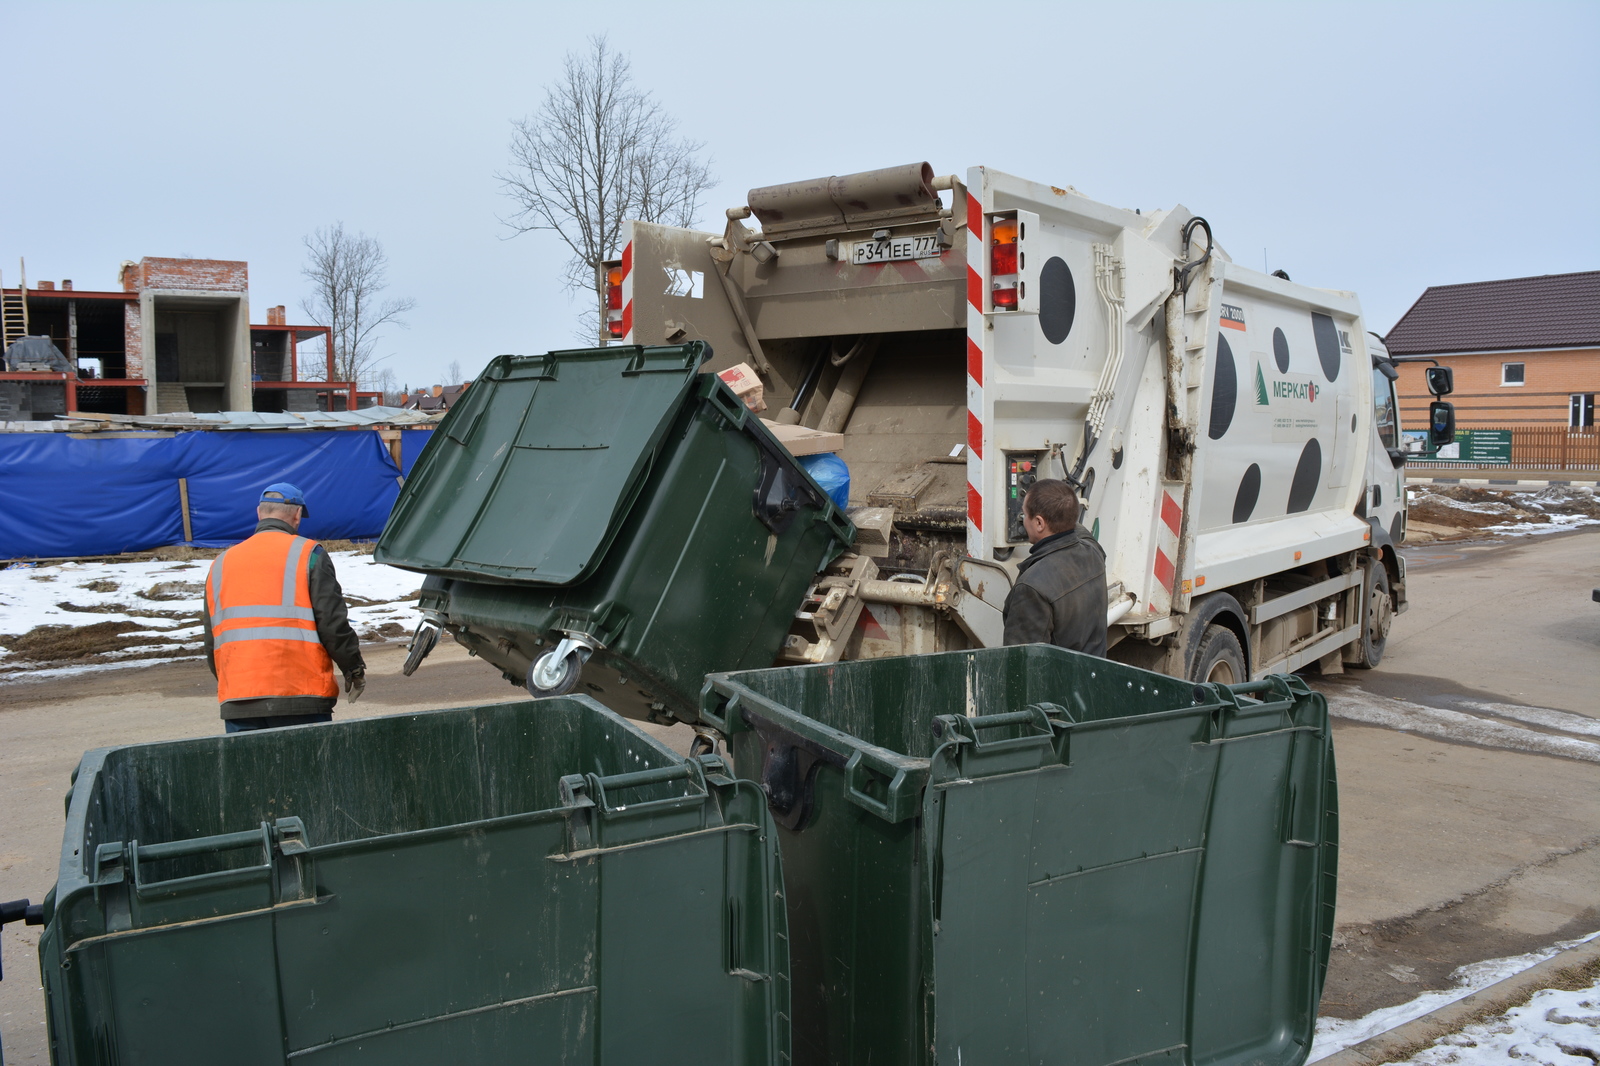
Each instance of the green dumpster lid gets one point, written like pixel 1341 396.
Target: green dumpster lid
pixel 529 475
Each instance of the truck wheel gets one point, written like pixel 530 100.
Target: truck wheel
pixel 1378 611
pixel 1219 659
pixel 548 678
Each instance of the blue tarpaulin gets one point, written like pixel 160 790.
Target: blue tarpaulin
pixel 412 441
pixel 67 496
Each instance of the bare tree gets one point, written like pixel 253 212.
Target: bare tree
pixel 600 151
pixel 384 381
pixel 347 273
pixel 452 373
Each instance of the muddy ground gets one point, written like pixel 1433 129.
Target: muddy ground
pixel 1460 512
pixel 1464 837
pixel 143 606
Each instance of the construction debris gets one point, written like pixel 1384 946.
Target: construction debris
pixel 365 418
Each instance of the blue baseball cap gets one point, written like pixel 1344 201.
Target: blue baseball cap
pixel 283 492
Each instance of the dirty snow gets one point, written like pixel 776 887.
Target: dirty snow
pixel 1554 1028
pixel 1565 721
pixel 1396 713
pixel 158 605
pixel 1523 1027
pixel 1453 512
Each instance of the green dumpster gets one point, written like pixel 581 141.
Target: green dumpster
pixel 611 514
pixel 531 882
pixel 1023 855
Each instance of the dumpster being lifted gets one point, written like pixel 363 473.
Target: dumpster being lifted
pixel 532 882
pixel 613 514
pixel 1025 855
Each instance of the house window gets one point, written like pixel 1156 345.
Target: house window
pixel 1581 412
pixel 1512 373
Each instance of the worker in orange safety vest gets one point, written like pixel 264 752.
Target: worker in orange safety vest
pixel 276 625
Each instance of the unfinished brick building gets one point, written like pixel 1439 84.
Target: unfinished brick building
pixel 175 337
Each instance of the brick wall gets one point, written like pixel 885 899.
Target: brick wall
pixel 205 275
pixel 1550 379
pixel 133 339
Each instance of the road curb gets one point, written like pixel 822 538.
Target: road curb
pixel 1496 999
pixel 1478 482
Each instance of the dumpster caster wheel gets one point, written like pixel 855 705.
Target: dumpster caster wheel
pixel 556 672
pixel 704 743
pixel 422 642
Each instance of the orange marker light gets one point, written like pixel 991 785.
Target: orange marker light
pixel 1004 263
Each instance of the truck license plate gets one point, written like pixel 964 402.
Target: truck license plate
pixel 925 246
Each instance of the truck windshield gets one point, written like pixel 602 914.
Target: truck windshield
pixel 1385 417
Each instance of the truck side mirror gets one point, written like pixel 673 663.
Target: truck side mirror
pixel 1441 380
pixel 1441 423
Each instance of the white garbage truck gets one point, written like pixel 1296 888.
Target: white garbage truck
pixel 1233 436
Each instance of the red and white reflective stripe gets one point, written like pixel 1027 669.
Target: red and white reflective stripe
pixel 627 293
pixel 976 253
pixel 1168 530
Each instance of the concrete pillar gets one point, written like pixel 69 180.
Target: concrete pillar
pixel 238 394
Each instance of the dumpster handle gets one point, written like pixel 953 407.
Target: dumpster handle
pixel 691 356
pixel 728 404
pixel 1284 686
pixel 1049 722
pixel 593 787
pixel 863 768
pixel 286 837
pixel 1042 715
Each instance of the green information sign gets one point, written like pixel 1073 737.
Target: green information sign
pixel 1481 447
pixel 1485 447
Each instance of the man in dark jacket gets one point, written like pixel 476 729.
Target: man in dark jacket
pixel 1060 594
pixel 276 625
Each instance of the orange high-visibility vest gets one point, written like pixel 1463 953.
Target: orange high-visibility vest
pixel 263 632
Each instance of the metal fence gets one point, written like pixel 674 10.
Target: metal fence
pixel 1538 448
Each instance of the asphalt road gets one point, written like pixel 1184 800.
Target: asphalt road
pixel 1469 770
pixel 1470 797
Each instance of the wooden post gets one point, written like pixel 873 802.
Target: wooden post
pixel 183 501
pixel 391 437
pixel 1565 436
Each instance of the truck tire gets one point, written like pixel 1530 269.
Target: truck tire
pixel 1219 658
pixel 1377 612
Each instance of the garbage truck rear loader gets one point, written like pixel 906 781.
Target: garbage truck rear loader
pixel 1233 435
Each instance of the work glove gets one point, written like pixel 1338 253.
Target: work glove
pixel 355 683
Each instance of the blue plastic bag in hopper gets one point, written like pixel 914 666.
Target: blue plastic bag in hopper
pixel 831 473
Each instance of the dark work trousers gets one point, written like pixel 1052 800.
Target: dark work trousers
pixel 273 721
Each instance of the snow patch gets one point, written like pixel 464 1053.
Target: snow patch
pixel 1459 726
pixel 1554 1028
pixel 1336 1034
pixel 75 595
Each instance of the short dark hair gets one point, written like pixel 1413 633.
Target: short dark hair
pixel 1055 502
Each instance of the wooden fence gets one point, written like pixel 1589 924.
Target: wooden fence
pixel 1542 448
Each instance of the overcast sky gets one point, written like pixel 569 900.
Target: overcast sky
pixel 1375 147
